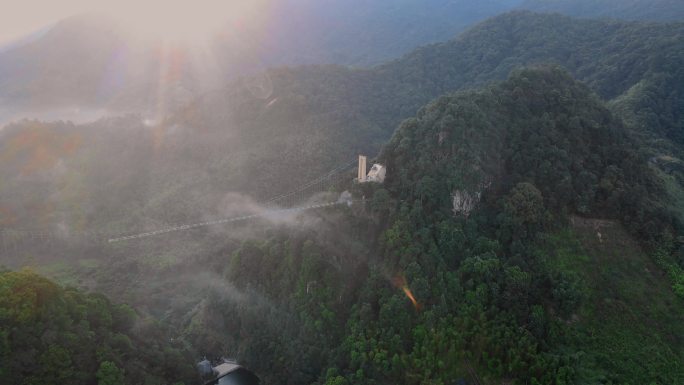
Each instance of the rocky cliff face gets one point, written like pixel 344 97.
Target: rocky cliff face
pixel 464 201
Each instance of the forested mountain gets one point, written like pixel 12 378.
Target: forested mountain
pixel 512 286
pixel 89 66
pixel 265 134
pixel 501 285
pixel 528 153
pixel 92 62
pixel 527 232
pixel 656 10
pixel 361 108
pixel 581 163
pixel 53 335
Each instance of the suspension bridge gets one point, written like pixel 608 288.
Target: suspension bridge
pixel 293 201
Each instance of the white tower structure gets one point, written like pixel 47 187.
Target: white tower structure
pixel 362 169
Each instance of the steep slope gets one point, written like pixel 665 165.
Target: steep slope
pixel 491 291
pixel 524 155
pixel 658 10
pixel 629 323
pixel 610 56
pixel 579 164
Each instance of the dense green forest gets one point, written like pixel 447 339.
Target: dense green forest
pixel 528 231
pixel 657 10
pixel 55 335
pixel 503 287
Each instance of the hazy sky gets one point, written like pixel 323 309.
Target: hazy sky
pixel 24 16
pixel 177 17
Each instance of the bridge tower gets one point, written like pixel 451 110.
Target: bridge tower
pixel 362 169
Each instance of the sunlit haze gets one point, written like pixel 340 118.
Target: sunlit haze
pixel 170 19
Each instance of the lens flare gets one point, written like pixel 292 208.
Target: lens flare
pixel 400 282
pixel 410 296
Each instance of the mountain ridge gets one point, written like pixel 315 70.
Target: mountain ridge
pixel 658 10
pixel 295 111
